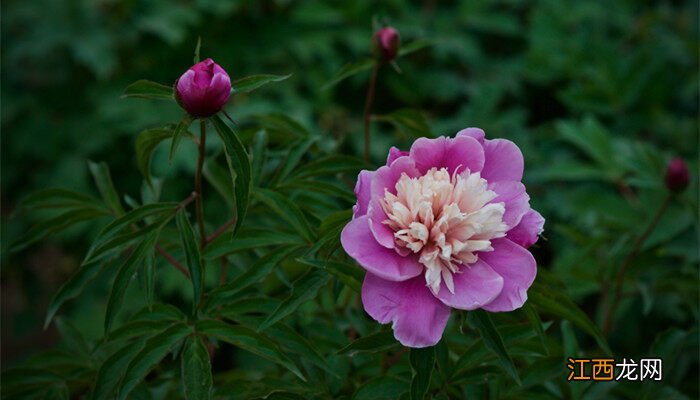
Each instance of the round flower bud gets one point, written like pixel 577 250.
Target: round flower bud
pixel 203 89
pixel 677 175
pixel 386 43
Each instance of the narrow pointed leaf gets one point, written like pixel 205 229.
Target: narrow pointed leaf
pixel 349 70
pixel 146 143
pixel 180 131
pixel 304 289
pixel 248 340
pixel 260 269
pixel 250 83
pixel 194 259
pixel 74 287
pixel 149 90
pixel 112 370
pixel 287 210
pixel 239 167
pixel 483 323
pixel 422 364
pixel 154 350
pixel 123 278
pixel 376 342
pixel 195 369
pixel 103 180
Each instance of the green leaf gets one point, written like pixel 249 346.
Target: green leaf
pixel 100 173
pixel 414 46
pixel 296 152
pixel 149 90
pixel 181 130
pixel 147 276
pixel 250 83
pixel 304 289
pixel 113 369
pixel 553 301
pixel 74 287
pixel 194 259
pixel 348 274
pixel 258 156
pixel 376 342
pixel 120 231
pixel 330 165
pixel 139 328
pixel 153 351
pixel 124 276
pixel 248 340
pixel 146 143
pixel 536 323
pixel 381 388
pixel 289 339
pixel 483 323
pixel 287 210
pixel 422 364
pixel 219 178
pixel 349 70
pixel 196 58
pixel 60 198
pixel 410 122
pixel 55 224
pixel 196 369
pixel 239 167
pixel 260 269
pixel 228 243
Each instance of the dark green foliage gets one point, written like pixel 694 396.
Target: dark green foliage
pixel 599 95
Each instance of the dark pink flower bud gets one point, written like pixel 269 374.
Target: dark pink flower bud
pixel 204 89
pixel 677 175
pixel 386 43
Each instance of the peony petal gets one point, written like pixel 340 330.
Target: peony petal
pixel 528 230
pixel 362 191
pixel 358 242
pixel 518 269
pixel 419 319
pixel 394 153
pixel 476 133
pixel 504 161
pixel 387 176
pixel 516 200
pixel 475 285
pixel 381 232
pixel 463 151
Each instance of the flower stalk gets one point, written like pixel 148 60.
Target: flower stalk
pixel 368 107
pixel 198 181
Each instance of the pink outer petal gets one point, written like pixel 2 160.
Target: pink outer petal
pixel 518 269
pixel 463 152
pixel 394 153
pixel 381 232
pixel 504 161
pixel 528 230
pixel 419 319
pixel 358 242
pixel 516 200
pixel 362 191
pixel 387 176
pixel 475 285
pixel 476 133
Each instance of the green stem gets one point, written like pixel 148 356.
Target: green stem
pixel 368 107
pixel 198 181
pixel 620 278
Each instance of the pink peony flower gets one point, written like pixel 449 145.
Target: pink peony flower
pixel 203 89
pixel 386 43
pixel 445 225
pixel 677 175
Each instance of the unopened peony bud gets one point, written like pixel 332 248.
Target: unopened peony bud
pixel 204 89
pixel 386 43
pixel 677 175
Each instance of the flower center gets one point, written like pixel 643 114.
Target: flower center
pixel 447 219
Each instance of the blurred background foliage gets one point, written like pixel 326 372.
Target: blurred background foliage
pixel 598 95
